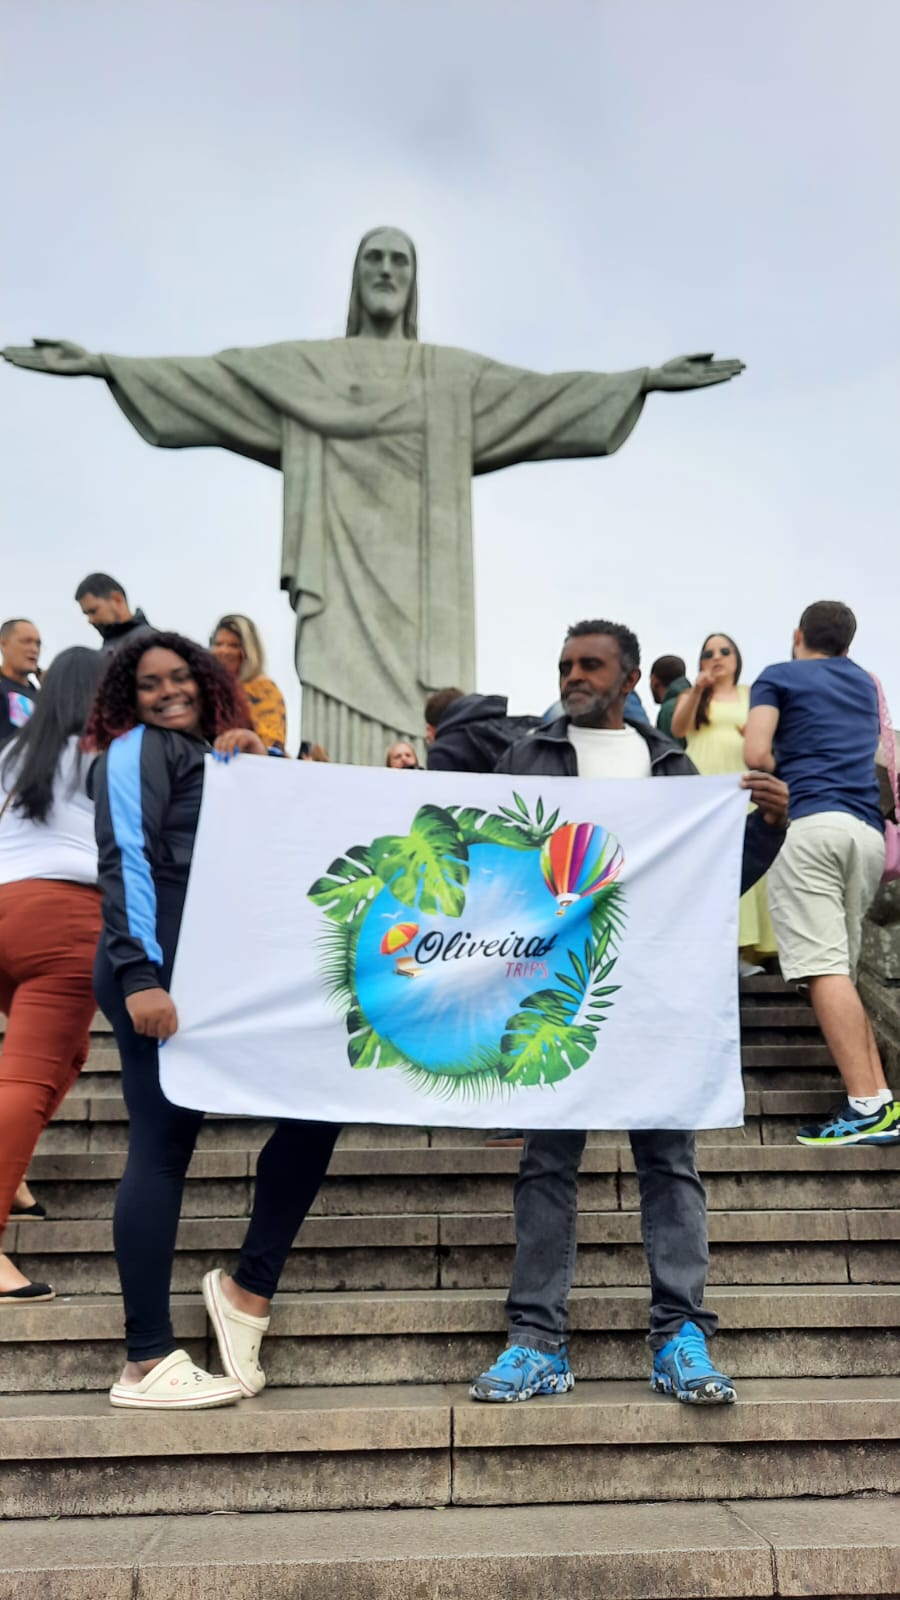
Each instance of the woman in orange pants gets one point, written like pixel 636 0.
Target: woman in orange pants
pixel 49 924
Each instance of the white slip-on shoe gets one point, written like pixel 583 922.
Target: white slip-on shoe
pixel 176 1384
pixel 239 1335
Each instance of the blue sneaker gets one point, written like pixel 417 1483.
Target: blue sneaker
pixel 519 1373
pixel 683 1368
pixel 847 1126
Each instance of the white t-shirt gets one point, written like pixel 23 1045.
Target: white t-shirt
pixel 610 752
pixel 62 847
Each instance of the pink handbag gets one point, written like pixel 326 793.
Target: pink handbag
pixel 889 750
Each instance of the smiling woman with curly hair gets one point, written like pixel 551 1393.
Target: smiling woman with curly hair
pixel 163 704
pixel 221 701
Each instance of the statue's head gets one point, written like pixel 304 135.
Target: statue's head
pixel 384 288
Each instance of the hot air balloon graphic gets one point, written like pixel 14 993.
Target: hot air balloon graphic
pixel 578 860
pixel 397 938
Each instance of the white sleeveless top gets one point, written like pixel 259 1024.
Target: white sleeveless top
pixel 63 846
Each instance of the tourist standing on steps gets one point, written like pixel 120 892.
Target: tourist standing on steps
pixel 402 756
pixel 237 644
pixel 816 716
pixel 162 705
pixel 668 681
pixel 105 604
pixel 470 732
pixel 599 665
pixel 711 718
pixel 49 925
pixel 20 653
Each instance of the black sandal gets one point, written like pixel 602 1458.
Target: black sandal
pixel 34 1210
pixel 29 1293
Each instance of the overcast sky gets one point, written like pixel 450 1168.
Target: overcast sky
pixel 590 185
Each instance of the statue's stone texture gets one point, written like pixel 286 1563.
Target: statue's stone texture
pixel 880 954
pixel 377 436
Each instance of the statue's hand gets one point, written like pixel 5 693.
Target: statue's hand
pixel 60 356
pixel 692 372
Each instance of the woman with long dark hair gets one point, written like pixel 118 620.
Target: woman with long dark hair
pixel 49 924
pixel 711 717
pixel 163 705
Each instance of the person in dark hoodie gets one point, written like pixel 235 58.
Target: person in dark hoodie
pixel 105 604
pixel 470 732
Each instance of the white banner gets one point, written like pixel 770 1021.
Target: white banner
pixel 460 950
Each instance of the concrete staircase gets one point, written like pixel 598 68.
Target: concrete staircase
pixel 364 1470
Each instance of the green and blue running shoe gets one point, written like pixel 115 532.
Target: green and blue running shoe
pixel 846 1126
pixel 519 1373
pixel 683 1368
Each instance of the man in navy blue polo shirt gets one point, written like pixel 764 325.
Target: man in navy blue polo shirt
pixel 814 719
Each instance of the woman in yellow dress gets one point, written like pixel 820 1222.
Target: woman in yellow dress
pixel 236 643
pixel 711 717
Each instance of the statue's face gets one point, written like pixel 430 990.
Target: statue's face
pixel 385 275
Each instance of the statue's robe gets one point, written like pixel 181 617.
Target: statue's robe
pixel 377 441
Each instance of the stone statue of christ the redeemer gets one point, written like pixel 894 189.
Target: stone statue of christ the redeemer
pixel 377 436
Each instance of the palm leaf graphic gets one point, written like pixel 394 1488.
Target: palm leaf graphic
pixel 366 1048
pixel 428 869
pixel 348 887
pixel 541 1044
pixel 337 945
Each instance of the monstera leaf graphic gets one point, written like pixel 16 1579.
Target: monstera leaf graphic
pixel 428 869
pixel 366 1048
pixel 511 826
pixel 485 827
pixel 541 1043
pixel 346 889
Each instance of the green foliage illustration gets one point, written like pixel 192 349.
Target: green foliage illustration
pixel 510 826
pixel 348 887
pixel 429 869
pixel 552 1032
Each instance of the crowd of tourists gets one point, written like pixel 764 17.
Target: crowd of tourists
pixel 101 775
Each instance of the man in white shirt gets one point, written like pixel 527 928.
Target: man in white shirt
pixel 599 665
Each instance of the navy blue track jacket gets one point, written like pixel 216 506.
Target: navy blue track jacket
pixel 147 788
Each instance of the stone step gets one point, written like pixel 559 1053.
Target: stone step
pixel 737 1550
pixel 96 1102
pixel 447 1335
pixel 762 1032
pixel 767 985
pixel 463 1178
pixel 775 1015
pixel 786 1054
pixel 354 1449
pixel 99 1122
pixel 420 1252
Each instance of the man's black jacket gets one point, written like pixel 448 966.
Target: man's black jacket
pixel 115 633
pixel 549 753
pixel 474 732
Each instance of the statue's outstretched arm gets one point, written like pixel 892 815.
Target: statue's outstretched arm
pixel 59 356
pixel 691 372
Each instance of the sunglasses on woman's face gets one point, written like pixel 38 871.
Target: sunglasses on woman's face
pixel 707 655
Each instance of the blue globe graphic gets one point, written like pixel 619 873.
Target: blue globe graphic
pixel 449 1014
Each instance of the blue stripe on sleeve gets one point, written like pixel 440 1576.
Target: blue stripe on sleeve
pixel 123 782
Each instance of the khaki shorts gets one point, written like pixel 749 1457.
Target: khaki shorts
pixel 821 885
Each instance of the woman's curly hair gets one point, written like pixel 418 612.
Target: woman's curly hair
pixel 223 704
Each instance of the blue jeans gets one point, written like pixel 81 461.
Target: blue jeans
pixel 673 1223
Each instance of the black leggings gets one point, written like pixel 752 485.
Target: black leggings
pixel 161 1142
